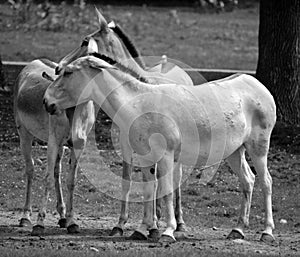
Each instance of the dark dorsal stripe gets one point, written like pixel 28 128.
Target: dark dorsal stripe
pixel 121 66
pixel 129 45
pixel 48 63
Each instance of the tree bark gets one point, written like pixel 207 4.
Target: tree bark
pixel 278 65
pixel 2 77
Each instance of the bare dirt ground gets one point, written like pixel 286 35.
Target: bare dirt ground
pixel 202 40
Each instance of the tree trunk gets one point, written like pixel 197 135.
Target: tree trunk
pixel 2 77
pixel 278 65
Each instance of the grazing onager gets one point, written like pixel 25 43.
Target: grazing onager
pixel 164 124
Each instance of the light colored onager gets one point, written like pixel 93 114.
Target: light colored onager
pixel 33 121
pixel 110 40
pixel 217 120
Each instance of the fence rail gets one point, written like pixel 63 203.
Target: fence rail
pixel 12 69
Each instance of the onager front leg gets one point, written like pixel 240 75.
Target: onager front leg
pixel 178 208
pixel 127 155
pixel 118 230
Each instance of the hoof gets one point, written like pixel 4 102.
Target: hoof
pixel 116 231
pixel 25 223
pixel 73 229
pixel 267 238
pixel 62 223
pixel 166 239
pixel 236 234
pixel 38 230
pixel 138 236
pixel 181 227
pixel 154 234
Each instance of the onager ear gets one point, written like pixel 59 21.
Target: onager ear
pixel 102 21
pixel 112 24
pixel 92 46
pixel 45 75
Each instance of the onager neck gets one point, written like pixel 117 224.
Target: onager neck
pixel 116 94
pixel 153 77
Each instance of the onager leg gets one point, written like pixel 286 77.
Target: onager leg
pixel 126 184
pixel 258 152
pixel 159 202
pixel 60 205
pixel 165 169
pixel 81 123
pixel 52 153
pixel 26 148
pixel 149 222
pixel 58 129
pixel 178 208
pixel 239 165
pixel 72 227
pixel 127 155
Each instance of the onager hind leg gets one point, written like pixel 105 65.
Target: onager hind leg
pixel 178 208
pixel 26 148
pixel 258 151
pixel 165 170
pixel 149 222
pixel 239 165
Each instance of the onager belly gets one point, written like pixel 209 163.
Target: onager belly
pixel 37 125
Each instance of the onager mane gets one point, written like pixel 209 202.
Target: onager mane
pixel 122 67
pixel 134 52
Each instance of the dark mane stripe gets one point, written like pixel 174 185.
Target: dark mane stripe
pixel 121 66
pixel 104 58
pixel 129 45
